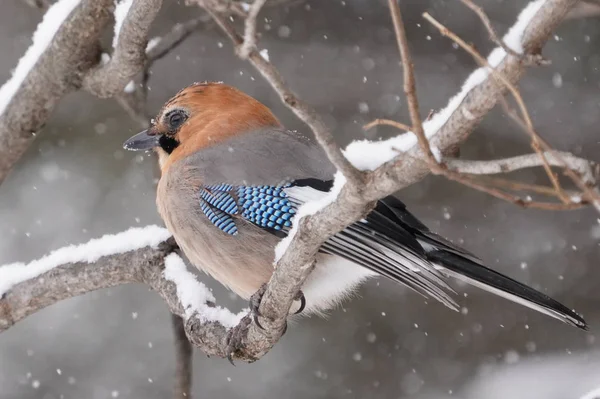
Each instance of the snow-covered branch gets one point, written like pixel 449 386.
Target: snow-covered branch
pixel 138 255
pixel 65 55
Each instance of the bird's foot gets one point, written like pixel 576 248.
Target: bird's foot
pixel 236 337
pixel 256 299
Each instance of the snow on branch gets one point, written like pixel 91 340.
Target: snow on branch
pixel 139 255
pixel 121 11
pixel 195 296
pixel 369 155
pixel 90 252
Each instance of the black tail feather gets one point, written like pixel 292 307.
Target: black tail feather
pixel 490 280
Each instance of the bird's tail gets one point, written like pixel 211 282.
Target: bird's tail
pixel 476 274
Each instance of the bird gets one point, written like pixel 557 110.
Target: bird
pixel 232 181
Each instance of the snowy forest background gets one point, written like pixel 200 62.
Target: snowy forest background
pixel 77 182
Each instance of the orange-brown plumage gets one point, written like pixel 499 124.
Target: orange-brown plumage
pixel 217 112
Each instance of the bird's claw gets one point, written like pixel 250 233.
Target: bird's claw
pixel 254 304
pixel 236 337
pixel 300 297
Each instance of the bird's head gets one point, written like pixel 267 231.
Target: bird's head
pixel 199 116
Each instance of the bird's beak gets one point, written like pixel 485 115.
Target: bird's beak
pixel 142 141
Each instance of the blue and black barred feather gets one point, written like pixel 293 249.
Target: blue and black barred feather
pixel 265 206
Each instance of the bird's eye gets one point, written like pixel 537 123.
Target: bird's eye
pixel 175 119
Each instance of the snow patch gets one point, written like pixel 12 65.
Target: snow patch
pixel 152 43
pixel 130 88
pixel 265 54
pixel 194 295
pixel 121 10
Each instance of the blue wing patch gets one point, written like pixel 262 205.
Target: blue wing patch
pixel 265 206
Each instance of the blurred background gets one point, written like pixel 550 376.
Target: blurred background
pixel 77 183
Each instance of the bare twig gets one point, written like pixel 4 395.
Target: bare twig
pixel 585 9
pixel 583 167
pixel 530 59
pixel 249 43
pixel 588 188
pixel 129 57
pixel 183 359
pixel 409 85
pixel 388 122
pixel 409 89
pixel 518 186
pixel 175 37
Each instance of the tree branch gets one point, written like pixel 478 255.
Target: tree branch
pixel 588 170
pixel 58 71
pixel 183 360
pixel 129 57
pixel 72 279
pixel 249 43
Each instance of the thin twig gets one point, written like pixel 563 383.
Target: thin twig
pixel 513 185
pixel 548 206
pixel 530 59
pixel 387 122
pixel 582 166
pixel 249 43
pixel 409 89
pixel 176 36
pixel 587 186
pixel 183 358
pixel 409 85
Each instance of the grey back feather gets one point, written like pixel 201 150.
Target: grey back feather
pixel 266 156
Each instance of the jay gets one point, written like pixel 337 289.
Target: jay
pixel 232 180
